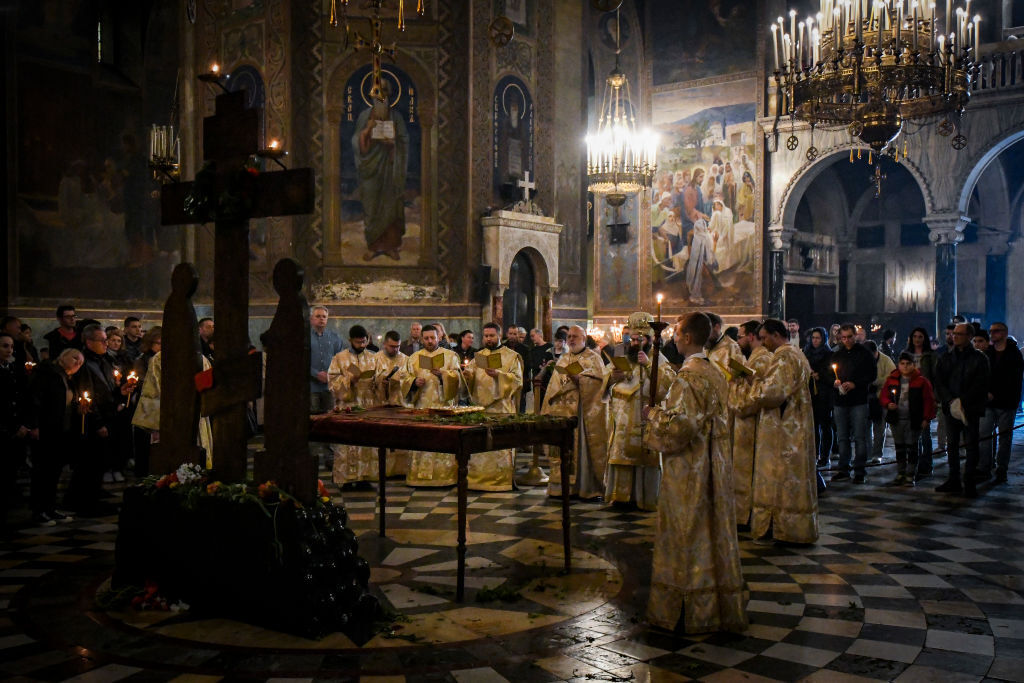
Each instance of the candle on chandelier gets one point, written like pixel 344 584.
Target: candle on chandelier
pixel 977 37
pixel 775 45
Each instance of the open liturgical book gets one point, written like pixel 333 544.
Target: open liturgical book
pixel 573 368
pixel 735 369
pixel 432 362
pixel 622 363
pixel 491 361
pixel 354 371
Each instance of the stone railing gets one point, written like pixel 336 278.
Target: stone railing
pixel 812 253
pixel 1002 68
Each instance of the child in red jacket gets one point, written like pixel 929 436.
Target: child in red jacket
pixel 910 405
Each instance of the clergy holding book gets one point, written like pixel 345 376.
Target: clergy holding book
pixel 577 390
pixel 437 377
pixel 493 376
pixel 634 472
pixel 391 382
pixel 350 378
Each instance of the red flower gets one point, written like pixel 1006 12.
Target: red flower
pixel 252 171
pixel 321 488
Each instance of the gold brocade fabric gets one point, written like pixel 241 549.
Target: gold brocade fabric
pixel 353 463
pixel 724 350
pixel 425 468
pixel 628 460
pixel 744 435
pixel 785 496
pixel 696 578
pixel 391 381
pixel 494 470
pixel 147 411
pixel 564 399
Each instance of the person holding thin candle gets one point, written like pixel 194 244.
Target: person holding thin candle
pixel 854 370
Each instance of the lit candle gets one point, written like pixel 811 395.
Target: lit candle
pixel 792 24
pixel 977 37
pixel 29 365
pixel 775 45
pixel 215 68
pixel 117 376
pixel 83 403
pixel 835 368
pixel 132 378
pixel 660 298
pixel 274 144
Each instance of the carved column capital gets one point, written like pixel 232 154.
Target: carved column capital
pixel 946 228
pixel 781 237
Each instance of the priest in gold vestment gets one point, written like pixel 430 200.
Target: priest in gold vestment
pixel 744 431
pixel 722 351
pixel 696 581
pixel 577 390
pixel 785 497
pixel 350 378
pixel 634 472
pixel 391 382
pixel 494 377
pixel 436 379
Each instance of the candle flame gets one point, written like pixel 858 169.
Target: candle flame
pixel 274 144
pixel 215 68
pixel 660 297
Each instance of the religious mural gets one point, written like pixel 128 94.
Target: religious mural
pixel 519 12
pixel 512 126
pixel 86 219
pixel 617 250
pixel 381 202
pixel 711 38
pixel 705 248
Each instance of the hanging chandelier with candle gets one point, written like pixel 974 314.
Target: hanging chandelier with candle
pixel 875 67
pixel 621 160
pixel 375 42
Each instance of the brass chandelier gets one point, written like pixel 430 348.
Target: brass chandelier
pixel 872 66
pixel 620 159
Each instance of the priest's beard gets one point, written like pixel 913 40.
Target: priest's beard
pixel 492 346
pixel 634 351
pixel 358 351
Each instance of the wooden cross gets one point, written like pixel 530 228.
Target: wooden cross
pixel 526 185
pixel 877 179
pixel 229 195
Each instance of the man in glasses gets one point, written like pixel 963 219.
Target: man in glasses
pixel 67 335
pixel 961 386
pixel 1007 365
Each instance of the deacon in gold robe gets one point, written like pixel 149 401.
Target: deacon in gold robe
pixel 723 351
pixel 634 472
pixel 494 377
pixel 696 581
pixel 436 377
pixel 744 431
pixel 391 382
pixel 350 378
pixel 785 497
pixel 577 390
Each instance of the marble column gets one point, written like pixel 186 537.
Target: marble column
pixel 945 231
pixel 779 241
pixel 546 314
pixel 498 311
pixel 997 247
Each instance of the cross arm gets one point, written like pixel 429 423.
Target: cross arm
pixel 279 193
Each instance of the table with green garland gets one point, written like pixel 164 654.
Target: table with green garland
pixel 461 435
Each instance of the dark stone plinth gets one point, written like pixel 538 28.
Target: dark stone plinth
pixel 295 570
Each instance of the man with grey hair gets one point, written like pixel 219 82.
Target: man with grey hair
pixel 324 345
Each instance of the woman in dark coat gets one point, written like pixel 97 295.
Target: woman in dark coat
pixel 818 356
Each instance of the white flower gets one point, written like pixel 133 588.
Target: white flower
pixel 189 472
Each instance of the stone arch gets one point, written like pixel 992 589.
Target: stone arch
pixel 802 178
pixel 541 272
pixel 981 161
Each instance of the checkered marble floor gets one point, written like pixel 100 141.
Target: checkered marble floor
pixel 904 584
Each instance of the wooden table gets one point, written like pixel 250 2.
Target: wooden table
pixel 409 429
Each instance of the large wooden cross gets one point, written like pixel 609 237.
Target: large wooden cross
pixel 230 196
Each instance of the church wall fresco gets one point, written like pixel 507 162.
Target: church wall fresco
pixel 512 120
pixel 705 243
pixel 617 245
pixel 710 38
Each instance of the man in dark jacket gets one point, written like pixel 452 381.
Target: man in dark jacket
pixel 961 387
pixel 15 423
pixel 1007 365
pixel 66 334
pixel 853 368
pixel 97 378
pixel 58 421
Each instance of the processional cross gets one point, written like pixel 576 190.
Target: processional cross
pixel 229 194
pixel 526 184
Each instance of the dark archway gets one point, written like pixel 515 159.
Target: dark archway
pixel 520 299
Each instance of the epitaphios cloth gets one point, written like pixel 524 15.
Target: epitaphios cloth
pixel 494 470
pixel 426 468
pixel 634 472
pixel 785 498
pixel 696 581
pixel 585 402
